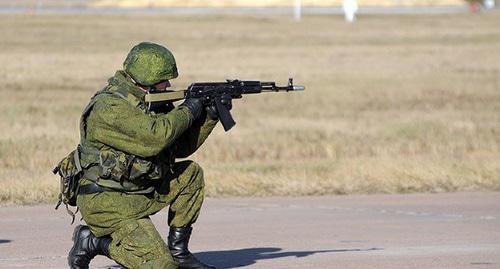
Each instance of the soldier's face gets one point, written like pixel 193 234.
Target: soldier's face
pixel 162 86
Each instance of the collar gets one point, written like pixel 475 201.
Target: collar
pixel 125 82
pixel 124 86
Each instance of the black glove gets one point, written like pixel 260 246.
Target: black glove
pixel 211 109
pixel 195 105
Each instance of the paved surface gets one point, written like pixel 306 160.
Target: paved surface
pixel 229 10
pixel 455 231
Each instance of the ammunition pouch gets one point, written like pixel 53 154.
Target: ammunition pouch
pixel 124 172
pixel 70 170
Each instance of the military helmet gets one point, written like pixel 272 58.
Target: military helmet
pixel 150 63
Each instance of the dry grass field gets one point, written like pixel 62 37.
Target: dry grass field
pixel 393 103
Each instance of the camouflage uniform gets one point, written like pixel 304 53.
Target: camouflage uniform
pixel 120 137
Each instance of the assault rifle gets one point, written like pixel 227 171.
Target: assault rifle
pixel 213 92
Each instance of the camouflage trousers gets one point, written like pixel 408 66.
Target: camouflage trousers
pixel 136 242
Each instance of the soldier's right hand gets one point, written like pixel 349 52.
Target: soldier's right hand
pixel 195 105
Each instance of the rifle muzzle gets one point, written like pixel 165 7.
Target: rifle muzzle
pixel 298 88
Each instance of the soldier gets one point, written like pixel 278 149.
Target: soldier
pixel 127 154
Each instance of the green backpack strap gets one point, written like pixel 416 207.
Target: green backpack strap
pixel 86 113
pixel 116 90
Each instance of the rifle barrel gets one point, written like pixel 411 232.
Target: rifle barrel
pixel 291 88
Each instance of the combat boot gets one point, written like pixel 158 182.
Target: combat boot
pixel 86 246
pixel 178 240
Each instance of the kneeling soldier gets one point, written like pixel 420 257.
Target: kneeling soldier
pixel 127 154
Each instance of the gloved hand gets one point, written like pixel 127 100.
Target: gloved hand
pixel 211 109
pixel 195 105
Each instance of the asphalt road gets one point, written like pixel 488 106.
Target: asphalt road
pixel 460 230
pixel 78 9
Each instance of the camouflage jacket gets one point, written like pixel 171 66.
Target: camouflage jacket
pixel 125 147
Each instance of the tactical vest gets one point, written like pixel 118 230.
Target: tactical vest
pixel 114 169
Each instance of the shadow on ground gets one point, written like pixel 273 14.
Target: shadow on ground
pixel 225 259
pixel 4 241
pixel 242 257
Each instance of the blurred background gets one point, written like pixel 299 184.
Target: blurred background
pixel 401 95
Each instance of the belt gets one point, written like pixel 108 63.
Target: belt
pixel 93 188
